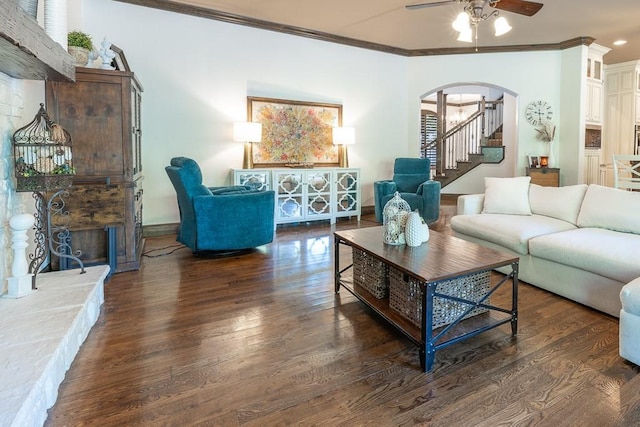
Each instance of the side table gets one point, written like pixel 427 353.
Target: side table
pixel 547 177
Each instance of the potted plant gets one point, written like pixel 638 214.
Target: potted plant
pixel 79 45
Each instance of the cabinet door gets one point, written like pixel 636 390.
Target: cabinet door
pixel 318 194
pixel 289 196
pixel 256 179
pixel 594 102
pixel 347 192
pixel 136 129
pixel 96 114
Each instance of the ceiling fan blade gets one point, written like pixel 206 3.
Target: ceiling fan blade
pixel 437 3
pixel 523 7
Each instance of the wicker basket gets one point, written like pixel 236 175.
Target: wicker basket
pixel 405 297
pixel 370 274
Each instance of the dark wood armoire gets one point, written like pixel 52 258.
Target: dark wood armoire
pixel 101 111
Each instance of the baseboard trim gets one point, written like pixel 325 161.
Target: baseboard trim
pixel 156 230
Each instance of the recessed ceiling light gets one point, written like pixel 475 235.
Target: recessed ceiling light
pixel 619 42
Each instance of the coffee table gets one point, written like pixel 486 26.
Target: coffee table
pixel 441 259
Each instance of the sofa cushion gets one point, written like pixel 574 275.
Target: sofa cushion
pixel 557 202
pixel 507 195
pixel 610 208
pixel 509 231
pixel 608 253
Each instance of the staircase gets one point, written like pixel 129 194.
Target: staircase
pixel 463 151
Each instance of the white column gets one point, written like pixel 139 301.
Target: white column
pixel 20 283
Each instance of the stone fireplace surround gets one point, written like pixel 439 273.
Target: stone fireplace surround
pixel 41 334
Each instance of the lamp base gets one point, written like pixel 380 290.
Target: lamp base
pixel 247 161
pixel 343 157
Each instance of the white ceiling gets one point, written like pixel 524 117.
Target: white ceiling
pixel 389 23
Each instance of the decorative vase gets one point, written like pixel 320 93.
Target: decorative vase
pixel 551 160
pixel 413 230
pixel 425 233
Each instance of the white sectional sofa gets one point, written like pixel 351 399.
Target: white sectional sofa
pixel 630 321
pixel 579 241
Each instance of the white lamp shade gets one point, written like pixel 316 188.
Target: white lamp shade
pixel 462 22
pixel 344 136
pixel 247 132
pixel 466 36
pixel 502 26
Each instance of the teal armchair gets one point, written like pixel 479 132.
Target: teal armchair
pixel 219 218
pixel 412 179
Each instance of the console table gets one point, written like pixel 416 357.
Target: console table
pixel 307 194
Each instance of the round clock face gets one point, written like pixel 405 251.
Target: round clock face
pixel 538 112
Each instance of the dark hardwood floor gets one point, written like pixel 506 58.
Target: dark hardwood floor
pixel 263 340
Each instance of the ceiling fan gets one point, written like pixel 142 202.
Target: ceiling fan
pixel 474 13
pixel 522 7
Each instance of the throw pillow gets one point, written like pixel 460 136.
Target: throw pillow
pixel 507 195
pixel 557 202
pixel 610 208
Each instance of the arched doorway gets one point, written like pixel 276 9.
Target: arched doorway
pixel 468 130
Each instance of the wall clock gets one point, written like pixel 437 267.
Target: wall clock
pixel 538 112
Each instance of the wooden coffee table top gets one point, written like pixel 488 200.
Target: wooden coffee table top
pixel 442 257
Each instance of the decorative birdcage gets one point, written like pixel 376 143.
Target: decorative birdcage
pixel 394 219
pixel 43 157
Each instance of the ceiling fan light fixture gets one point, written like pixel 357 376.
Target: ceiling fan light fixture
pixel 461 23
pixel 502 26
pixel 466 36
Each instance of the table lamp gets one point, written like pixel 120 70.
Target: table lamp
pixel 247 132
pixel 343 136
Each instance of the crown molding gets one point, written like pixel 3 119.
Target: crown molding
pixel 201 12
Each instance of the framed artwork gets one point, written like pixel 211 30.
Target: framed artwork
pixel 534 161
pixel 294 133
pixel 119 61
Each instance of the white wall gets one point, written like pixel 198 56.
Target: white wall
pixel 197 74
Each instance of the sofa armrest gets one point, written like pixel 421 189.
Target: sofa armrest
pixel 630 297
pixel 469 204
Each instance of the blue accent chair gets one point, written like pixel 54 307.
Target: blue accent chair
pixel 219 218
pixel 412 179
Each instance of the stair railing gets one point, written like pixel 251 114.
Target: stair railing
pixel 467 137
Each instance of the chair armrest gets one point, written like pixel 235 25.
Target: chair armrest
pixel 381 189
pixel 429 186
pixel 234 220
pixel 230 202
pixel 469 204
pixel 430 193
pixel 228 188
pixel 385 187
